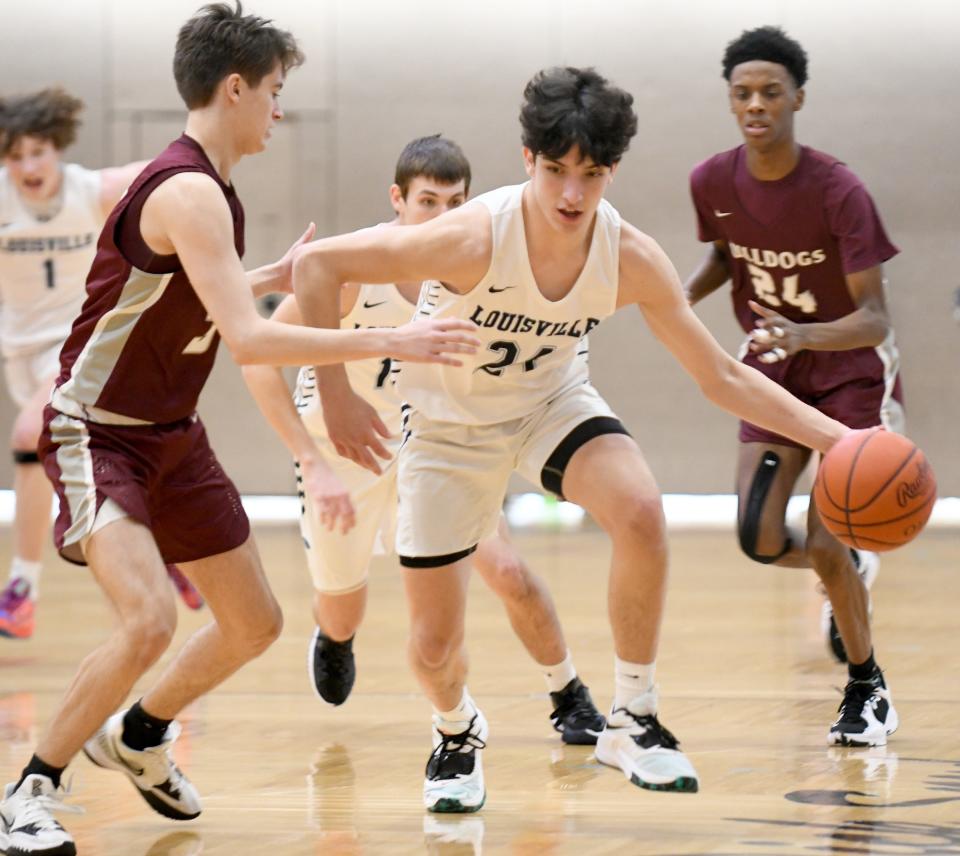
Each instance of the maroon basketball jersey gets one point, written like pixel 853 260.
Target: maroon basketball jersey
pixel 790 242
pixel 142 347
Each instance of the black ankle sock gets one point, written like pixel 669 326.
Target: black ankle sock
pixel 41 768
pixel 141 730
pixel 865 670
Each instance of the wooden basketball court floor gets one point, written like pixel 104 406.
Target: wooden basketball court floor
pixel 745 682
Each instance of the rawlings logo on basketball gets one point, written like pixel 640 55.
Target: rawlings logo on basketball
pixel 918 487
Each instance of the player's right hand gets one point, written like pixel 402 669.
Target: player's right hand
pixel 355 428
pixel 432 340
pixel 329 496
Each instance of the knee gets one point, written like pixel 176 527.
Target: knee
pixel 433 647
pixel 638 518
pixel 509 578
pixel 761 545
pixel 148 635
pixel 25 434
pixel 265 630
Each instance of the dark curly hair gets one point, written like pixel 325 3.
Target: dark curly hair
pixel 566 107
pixel 770 44
pixel 220 40
pixel 433 157
pixel 50 114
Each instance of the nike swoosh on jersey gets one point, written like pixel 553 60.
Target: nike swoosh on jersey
pixel 494 290
pixel 722 213
pixel 368 305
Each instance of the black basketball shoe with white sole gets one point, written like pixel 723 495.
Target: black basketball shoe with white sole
pixel 575 716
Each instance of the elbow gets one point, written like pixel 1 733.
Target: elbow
pixel 242 348
pixel 716 384
pixel 306 264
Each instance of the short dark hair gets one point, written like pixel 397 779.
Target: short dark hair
pixel 220 40
pixel 433 157
pixel 565 107
pixel 770 44
pixel 50 114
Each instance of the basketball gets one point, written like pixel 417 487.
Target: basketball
pixel 875 490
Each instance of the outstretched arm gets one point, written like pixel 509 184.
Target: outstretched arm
pixel 454 249
pixel 188 215
pixel 713 272
pixel 775 337
pixel 648 279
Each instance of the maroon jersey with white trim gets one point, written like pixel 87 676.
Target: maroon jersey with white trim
pixel 143 346
pixel 790 242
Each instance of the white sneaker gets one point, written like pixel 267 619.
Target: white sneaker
pixel 27 825
pixel 151 770
pixel 648 754
pixel 869 567
pixel 454 776
pixel 867 716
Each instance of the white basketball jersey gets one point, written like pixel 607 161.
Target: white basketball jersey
pixel 375 380
pixel 532 347
pixel 44 264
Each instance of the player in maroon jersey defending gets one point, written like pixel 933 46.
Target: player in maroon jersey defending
pixel 799 236
pixel 137 481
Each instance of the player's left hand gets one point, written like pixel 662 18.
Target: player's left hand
pixel 284 282
pixel 329 495
pixel 774 337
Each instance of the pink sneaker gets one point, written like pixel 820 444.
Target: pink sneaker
pixel 16 610
pixel 191 597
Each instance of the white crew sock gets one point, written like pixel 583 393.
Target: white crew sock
pixel 557 677
pixel 30 571
pixel 458 719
pixel 631 680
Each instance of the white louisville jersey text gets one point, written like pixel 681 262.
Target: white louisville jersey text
pixel 532 347
pixel 374 380
pixel 44 263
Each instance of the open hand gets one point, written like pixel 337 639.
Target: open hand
pixel 774 337
pixel 432 341
pixel 355 429
pixel 329 496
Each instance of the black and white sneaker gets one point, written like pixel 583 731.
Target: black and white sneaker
pixel 332 667
pixel 575 716
pixel 454 776
pixel 868 566
pixel 152 770
pixel 646 753
pixel 867 716
pixel 27 824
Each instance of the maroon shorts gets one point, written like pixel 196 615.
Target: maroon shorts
pixel 164 476
pixel 854 387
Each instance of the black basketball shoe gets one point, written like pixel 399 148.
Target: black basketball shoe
pixel 575 716
pixel 332 667
pixel 867 716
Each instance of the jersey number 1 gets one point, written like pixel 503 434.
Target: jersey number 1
pixel 48 270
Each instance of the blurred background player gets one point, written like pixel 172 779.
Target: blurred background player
pixel 50 216
pixel 350 506
pixel 802 241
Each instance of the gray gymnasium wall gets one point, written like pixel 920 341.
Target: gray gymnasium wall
pixel 882 96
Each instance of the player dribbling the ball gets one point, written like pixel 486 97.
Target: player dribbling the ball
pixel 801 239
